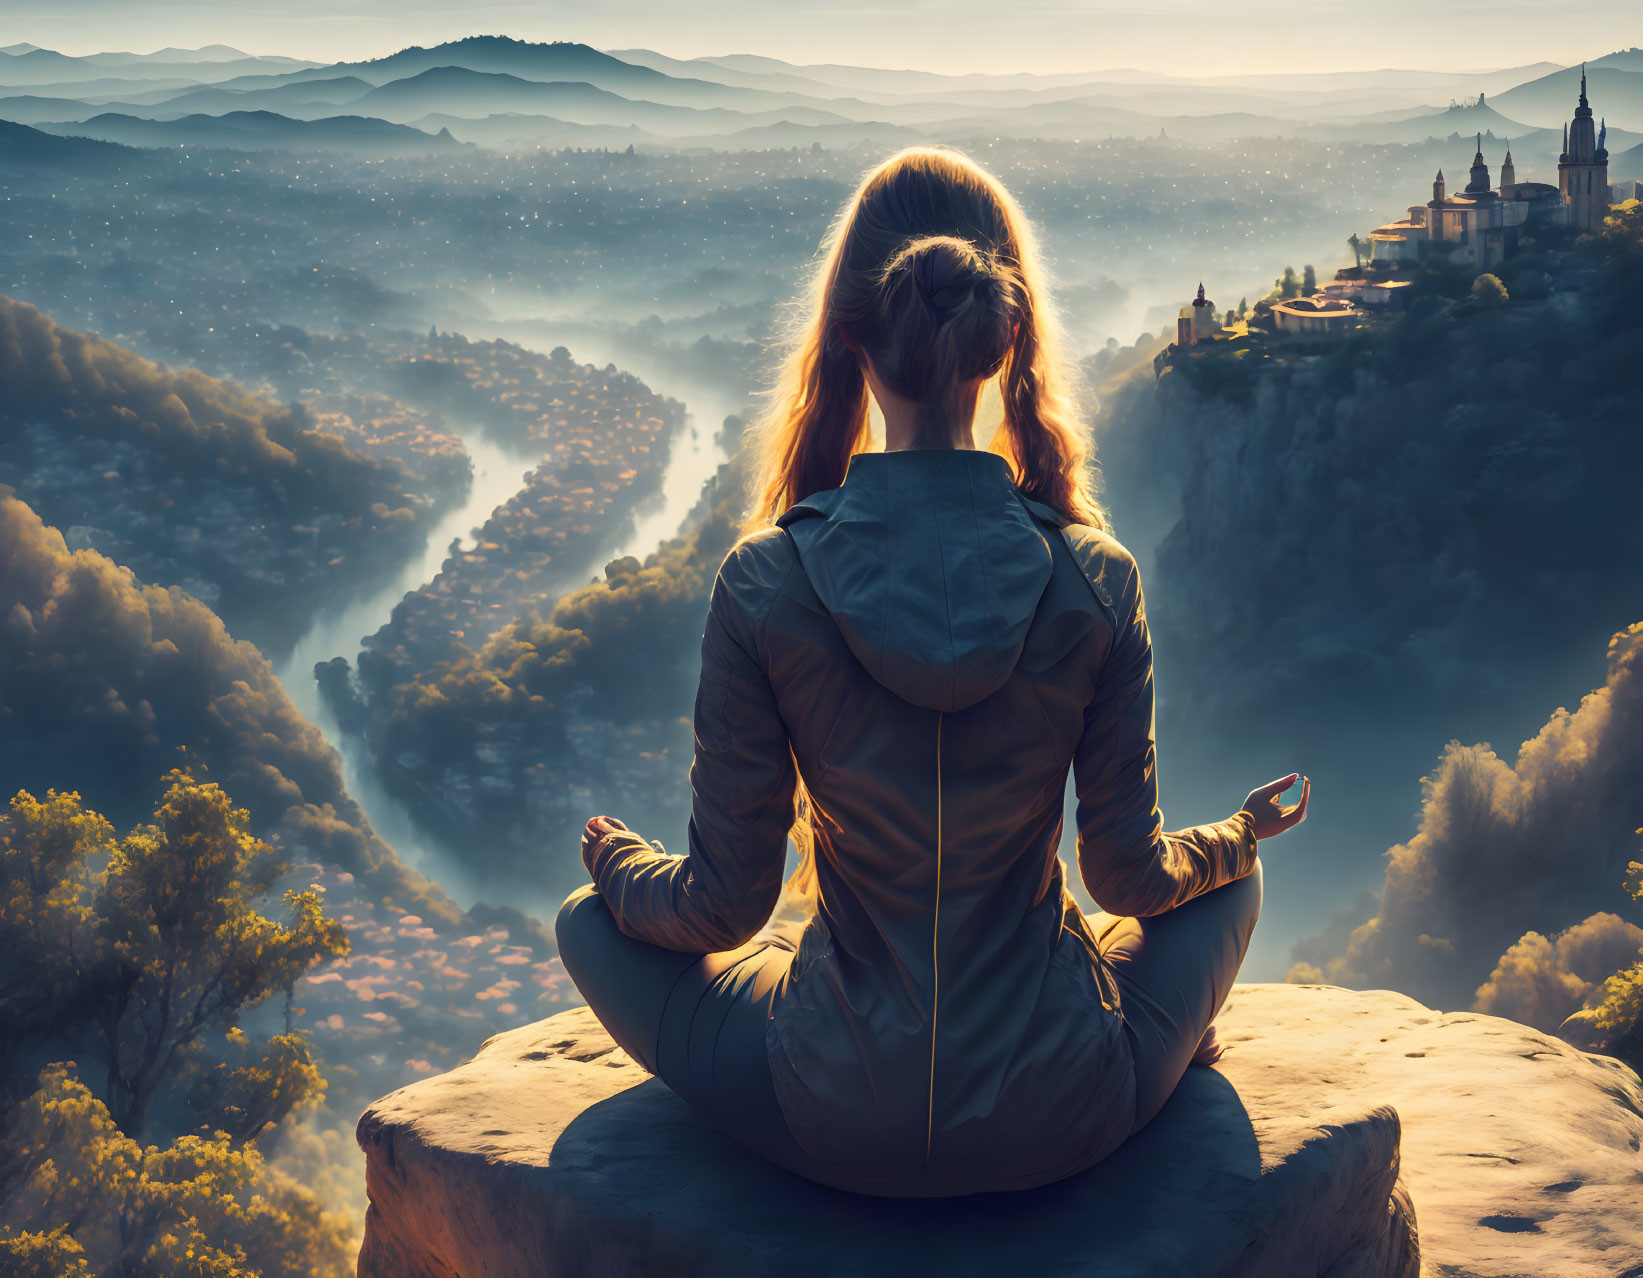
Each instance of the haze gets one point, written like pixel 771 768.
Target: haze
pixel 1051 36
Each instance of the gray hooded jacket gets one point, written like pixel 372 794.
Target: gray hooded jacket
pixel 930 652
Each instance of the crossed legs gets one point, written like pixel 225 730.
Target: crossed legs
pixel 1174 971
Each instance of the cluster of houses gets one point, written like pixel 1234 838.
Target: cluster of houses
pixel 1477 228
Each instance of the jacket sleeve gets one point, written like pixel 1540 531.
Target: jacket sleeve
pixel 1127 861
pixel 742 783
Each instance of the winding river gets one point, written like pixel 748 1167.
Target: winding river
pixel 497 474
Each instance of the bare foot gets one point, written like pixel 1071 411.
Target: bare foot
pixel 1209 1048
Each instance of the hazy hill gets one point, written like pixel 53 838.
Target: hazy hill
pixel 103 88
pixel 29 108
pixel 1615 92
pixel 205 53
pixel 560 61
pixel 261 130
pixel 512 130
pixel 304 100
pixel 779 77
pixel 1627 166
pixel 22 146
pixel 40 66
pixel 476 94
pixel 1426 124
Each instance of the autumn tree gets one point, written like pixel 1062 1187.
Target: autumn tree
pixel 52 959
pixel 1487 290
pixel 1619 1017
pixel 273 1080
pixel 135 954
pixel 86 1198
pixel 138 947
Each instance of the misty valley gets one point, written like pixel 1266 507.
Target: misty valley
pixel 371 434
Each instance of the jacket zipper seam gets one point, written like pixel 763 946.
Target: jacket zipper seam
pixel 935 953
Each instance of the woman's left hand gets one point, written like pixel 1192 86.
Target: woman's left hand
pixel 596 829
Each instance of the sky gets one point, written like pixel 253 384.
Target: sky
pixel 1188 37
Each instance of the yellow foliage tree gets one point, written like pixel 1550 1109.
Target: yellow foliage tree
pixel 83 1193
pixel 145 943
pixel 1620 1015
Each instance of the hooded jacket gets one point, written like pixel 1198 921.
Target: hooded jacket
pixel 930 651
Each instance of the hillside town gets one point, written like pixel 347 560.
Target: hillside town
pixel 1474 231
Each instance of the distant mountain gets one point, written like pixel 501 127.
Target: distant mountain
pixel 23 147
pixel 47 66
pixel 477 94
pixel 1423 125
pixel 27 108
pixel 306 99
pixel 1409 86
pixel 777 78
pixel 562 61
pixel 1614 90
pixel 1627 166
pixel 14 49
pixel 1621 60
pixel 261 130
pixel 205 53
pixel 101 89
pixel 514 131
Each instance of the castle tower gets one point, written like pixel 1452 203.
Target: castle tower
pixel 1479 183
pixel 1434 219
pixel 1583 168
pixel 1508 174
pixel 1203 314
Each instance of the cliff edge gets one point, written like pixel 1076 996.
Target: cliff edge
pixel 552 1153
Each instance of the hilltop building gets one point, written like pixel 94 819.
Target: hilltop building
pixel 1479 227
pixel 1321 313
pixel 1583 168
pixel 1196 323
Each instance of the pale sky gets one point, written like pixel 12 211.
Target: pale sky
pixel 1190 37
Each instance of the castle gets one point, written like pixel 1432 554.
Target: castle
pixel 1476 229
pixel 1479 227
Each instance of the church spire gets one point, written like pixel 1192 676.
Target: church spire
pixel 1583 101
pixel 1437 188
pixel 1479 177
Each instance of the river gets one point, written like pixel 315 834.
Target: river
pixel 497 474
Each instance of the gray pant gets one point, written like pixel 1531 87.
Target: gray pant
pixel 697 1020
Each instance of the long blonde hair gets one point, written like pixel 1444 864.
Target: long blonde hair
pixel 817 419
pixel 926 234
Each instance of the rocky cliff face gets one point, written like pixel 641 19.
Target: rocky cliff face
pixel 1334 1121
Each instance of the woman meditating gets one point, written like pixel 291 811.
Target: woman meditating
pixel 901 662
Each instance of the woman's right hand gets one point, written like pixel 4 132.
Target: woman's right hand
pixel 1270 817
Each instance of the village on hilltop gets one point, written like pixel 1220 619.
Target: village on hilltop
pixel 1474 230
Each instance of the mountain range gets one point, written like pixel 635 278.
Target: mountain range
pixel 497 91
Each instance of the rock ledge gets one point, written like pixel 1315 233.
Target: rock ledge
pixel 552 1153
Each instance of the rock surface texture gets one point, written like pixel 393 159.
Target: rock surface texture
pixel 552 1153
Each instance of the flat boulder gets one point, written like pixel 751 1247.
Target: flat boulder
pixel 552 1153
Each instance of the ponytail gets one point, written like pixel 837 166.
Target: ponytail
pixel 932 271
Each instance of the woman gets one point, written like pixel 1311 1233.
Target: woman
pixel 908 653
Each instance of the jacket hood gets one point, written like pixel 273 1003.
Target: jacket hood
pixel 932 564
